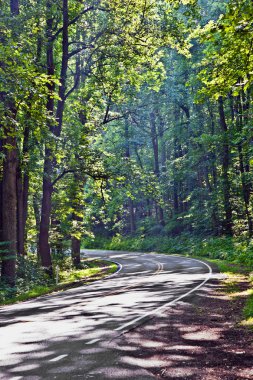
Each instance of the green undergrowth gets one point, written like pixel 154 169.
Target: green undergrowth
pixel 33 282
pixel 233 257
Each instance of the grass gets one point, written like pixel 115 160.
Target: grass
pixel 238 275
pixel 91 270
pixel 233 257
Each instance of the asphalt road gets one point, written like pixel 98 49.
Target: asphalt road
pixel 74 334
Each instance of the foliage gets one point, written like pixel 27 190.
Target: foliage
pixel 234 250
pixel 30 276
pixel 33 282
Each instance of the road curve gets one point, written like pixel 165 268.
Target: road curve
pixel 71 334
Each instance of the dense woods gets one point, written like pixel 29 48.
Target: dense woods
pixel 122 118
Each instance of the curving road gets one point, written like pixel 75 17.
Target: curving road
pixel 74 334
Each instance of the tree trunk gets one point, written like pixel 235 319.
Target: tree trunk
pixel 1 202
pixel 213 170
pixel 132 216
pixel 22 196
pixel 64 67
pixel 14 7
pixel 9 211
pixel 76 251
pixel 44 247
pixel 20 214
pixel 9 189
pixel 154 137
pixel 237 115
pixel 132 222
pixel 176 154
pixel 77 217
pixel 36 209
pixel 225 167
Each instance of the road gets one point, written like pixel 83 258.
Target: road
pixel 74 334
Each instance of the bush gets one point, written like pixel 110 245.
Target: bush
pixel 29 275
pixel 237 250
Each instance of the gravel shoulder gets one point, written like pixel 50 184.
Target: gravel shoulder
pixel 197 339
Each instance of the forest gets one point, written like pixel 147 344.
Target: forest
pixel 125 125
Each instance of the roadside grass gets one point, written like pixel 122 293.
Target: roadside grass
pixel 232 256
pixel 90 269
pixel 238 284
pixel 68 277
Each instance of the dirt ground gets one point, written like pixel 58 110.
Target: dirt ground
pixel 197 339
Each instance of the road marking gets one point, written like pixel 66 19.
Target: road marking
pixel 93 341
pixel 160 308
pixel 121 290
pixel 58 358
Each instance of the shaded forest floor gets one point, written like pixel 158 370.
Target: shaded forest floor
pixel 199 340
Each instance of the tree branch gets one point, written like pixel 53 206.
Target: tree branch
pixel 60 176
pixel 74 20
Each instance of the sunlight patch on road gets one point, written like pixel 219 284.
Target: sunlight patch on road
pixel 146 363
pixel 203 335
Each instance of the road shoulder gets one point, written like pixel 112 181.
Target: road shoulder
pixel 199 338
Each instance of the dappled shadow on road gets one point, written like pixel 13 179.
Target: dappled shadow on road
pixel 192 342
pixel 74 332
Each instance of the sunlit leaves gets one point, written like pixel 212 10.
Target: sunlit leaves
pixel 228 58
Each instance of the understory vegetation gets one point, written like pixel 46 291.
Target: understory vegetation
pixel 32 281
pixel 234 250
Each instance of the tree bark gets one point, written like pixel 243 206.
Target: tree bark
pixel 1 201
pixel 9 189
pixel 132 216
pixel 154 138
pixel 36 209
pixel 213 170
pixel 237 111
pixel 9 210
pixel 225 167
pixel 22 196
pixel 64 67
pixel 44 246
pixel 76 251
pixel 77 217
pixel 14 7
pixel 20 214
pixel 132 222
